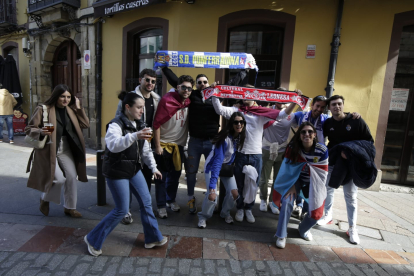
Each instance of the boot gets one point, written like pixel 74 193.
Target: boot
pixel 73 213
pixel 44 207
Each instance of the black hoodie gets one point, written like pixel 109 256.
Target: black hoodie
pixel 346 130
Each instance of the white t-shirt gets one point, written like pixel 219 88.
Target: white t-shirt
pixel 175 130
pixel 279 131
pixel 254 126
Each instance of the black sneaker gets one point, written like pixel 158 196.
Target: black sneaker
pixel 127 219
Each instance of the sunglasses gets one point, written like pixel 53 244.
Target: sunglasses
pixel 150 81
pixel 303 132
pixel 200 82
pixel 242 122
pixel 320 98
pixel 186 88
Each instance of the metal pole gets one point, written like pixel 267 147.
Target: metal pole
pixel 334 51
pixel 101 185
pixel 98 94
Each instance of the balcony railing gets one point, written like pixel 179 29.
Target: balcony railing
pixel 7 14
pixel 40 6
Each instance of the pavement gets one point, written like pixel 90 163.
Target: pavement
pixel 32 244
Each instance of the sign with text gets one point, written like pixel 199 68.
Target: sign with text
pixel 87 59
pixel 399 99
pixel 310 51
pixel 110 7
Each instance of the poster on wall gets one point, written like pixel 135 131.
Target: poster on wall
pixel 399 99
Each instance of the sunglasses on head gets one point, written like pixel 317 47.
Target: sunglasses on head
pixel 320 98
pixel 149 81
pixel 186 88
pixel 310 131
pixel 200 82
pixel 242 122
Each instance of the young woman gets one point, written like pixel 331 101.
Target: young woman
pixel 60 162
pixel 126 150
pixel 304 170
pixel 225 145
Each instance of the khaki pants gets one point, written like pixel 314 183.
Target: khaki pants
pixel 70 194
pixel 267 166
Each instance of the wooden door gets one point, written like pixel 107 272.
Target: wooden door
pixel 67 67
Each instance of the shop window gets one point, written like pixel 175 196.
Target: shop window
pixel 145 45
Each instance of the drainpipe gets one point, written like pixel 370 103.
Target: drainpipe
pixel 98 84
pixel 334 51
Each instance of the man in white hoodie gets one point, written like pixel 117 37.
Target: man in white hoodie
pixel 147 80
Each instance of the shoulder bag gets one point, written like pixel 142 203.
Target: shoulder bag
pixel 227 170
pixel 38 144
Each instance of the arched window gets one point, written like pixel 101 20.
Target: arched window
pixel 11 48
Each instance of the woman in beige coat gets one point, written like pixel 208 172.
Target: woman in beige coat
pixel 59 163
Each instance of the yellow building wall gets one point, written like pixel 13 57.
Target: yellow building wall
pixel 365 38
pixel 21 12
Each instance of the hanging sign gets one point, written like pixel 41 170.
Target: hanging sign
pixel 205 60
pixel 87 59
pixel 246 93
pixel 399 99
pixel 310 51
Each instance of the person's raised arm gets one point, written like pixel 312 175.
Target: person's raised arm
pixel 224 111
pixel 171 77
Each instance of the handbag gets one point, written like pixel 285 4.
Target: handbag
pixel 227 170
pixel 38 143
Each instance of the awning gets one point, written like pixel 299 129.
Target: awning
pixel 110 7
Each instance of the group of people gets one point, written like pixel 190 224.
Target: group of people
pixel 147 139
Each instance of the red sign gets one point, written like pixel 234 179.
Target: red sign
pixel 19 122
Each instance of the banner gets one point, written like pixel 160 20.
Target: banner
pixel 246 93
pixel 205 60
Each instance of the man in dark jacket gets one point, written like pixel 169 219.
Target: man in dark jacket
pixel 342 128
pixel 203 126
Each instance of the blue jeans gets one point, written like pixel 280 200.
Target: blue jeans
pixel 120 192
pixel 228 202
pixel 196 147
pixel 242 159
pixel 350 194
pixel 9 122
pixel 286 211
pixel 166 188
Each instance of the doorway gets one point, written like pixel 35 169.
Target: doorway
pixel 397 163
pixel 67 67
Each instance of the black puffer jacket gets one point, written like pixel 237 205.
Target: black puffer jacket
pixel 359 165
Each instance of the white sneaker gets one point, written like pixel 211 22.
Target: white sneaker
pixel 263 206
pixel 158 243
pixel 91 249
pixel 274 209
pixel 326 219
pixel 297 212
pixel 307 236
pixel 249 216
pixel 239 215
pixel 174 206
pixel 162 213
pixel 281 243
pixel 202 223
pixel 353 235
pixel 228 219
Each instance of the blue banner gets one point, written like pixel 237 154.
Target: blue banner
pixel 205 60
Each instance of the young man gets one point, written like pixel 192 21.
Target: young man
pixel 275 140
pixel 341 127
pixel 170 136
pixel 251 153
pixel 203 126
pixel 147 80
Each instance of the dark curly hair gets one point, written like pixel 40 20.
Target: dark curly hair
pixel 184 78
pixel 229 130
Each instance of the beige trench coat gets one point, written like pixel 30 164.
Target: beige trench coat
pixel 43 161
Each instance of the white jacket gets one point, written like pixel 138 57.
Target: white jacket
pixel 250 186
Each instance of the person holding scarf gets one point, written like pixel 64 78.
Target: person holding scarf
pixel 251 153
pixel 170 136
pixel 304 170
pixel 225 145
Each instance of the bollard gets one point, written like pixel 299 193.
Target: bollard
pixel 101 184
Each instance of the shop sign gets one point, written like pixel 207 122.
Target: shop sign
pixel 110 7
pixel 399 99
pixel 87 59
pixel 310 51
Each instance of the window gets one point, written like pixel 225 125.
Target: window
pixel 264 42
pixel 11 48
pixel 146 44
